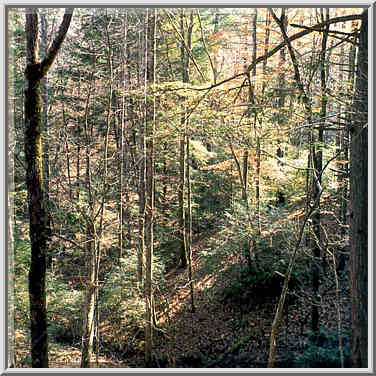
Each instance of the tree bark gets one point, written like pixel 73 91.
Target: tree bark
pixel 359 206
pixel 38 213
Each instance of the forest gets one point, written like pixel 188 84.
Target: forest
pixel 188 187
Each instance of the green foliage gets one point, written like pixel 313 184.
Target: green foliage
pixel 169 251
pixel 22 252
pixel 211 198
pixel 122 300
pixel 64 306
pixel 63 302
pixel 20 203
pixel 322 351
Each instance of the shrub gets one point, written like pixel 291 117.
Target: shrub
pixel 121 300
pixel 64 306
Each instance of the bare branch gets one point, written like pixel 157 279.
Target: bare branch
pixel 58 41
pixel 301 34
pixel 280 46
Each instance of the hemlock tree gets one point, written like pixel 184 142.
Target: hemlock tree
pixel 38 213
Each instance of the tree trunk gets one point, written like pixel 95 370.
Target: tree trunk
pixel 359 206
pixel 181 195
pixel 189 226
pixel 280 199
pixel 149 188
pixel 122 166
pixel 38 214
pixel 44 92
pixel 89 305
pixel 317 159
pixel 186 42
pixel 345 140
pixel 245 176
pixel 11 300
pixel 141 170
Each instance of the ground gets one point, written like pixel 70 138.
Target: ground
pixel 221 332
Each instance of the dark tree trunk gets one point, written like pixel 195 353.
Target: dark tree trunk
pixel 38 218
pixel 38 214
pixel 359 206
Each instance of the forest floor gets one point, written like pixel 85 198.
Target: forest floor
pixel 224 332
pixel 221 332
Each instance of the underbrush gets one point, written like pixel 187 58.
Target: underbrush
pixel 322 350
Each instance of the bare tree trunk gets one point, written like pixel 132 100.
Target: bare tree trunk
pixel 189 227
pixel 38 214
pixel 91 247
pixel 149 220
pixel 141 172
pixel 245 176
pixel 89 306
pixel 11 300
pixel 258 142
pixel 122 140
pixel 345 141
pixel 317 165
pixel 181 195
pixel 184 57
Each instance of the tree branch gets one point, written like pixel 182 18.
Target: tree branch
pixel 58 41
pixel 185 46
pixel 301 34
pixel 350 17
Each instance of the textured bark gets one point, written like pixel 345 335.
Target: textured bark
pixel 38 214
pixel 359 206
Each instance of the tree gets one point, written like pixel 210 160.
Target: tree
pixel 359 205
pixel 97 213
pixel 38 212
pixel 182 172
pixel 151 20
